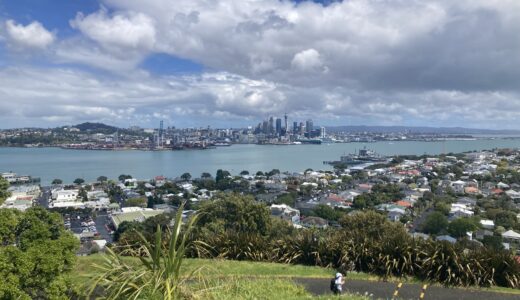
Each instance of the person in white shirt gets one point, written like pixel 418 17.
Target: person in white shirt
pixel 339 283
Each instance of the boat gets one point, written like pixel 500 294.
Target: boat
pixel 362 157
pixel 310 141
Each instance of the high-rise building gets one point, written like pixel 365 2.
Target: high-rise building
pixel 278 126
pixel 323 134
pixel 286 123
pixel 309 126
pixel 265 127
pixel 295 127
pixel 302 128
pixel 271 125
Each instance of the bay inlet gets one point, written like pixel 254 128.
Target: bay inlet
pixel 50 163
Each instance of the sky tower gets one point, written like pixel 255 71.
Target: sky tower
pixel 286 124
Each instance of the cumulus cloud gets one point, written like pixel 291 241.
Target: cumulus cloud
pixel 122 30
pixel 307 60
pixel 71 96
pixel 371 44
pixel 32 35
pixel 433 62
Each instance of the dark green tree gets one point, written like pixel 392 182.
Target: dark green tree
pixel 123 177
pixel 459 227
pixel 57 181
pixel 79 181
pixel 36 255
pixel 237 213
pixel 102 179
pixel 186 176
pixel 205 175
pixel 435 223
pixel 4 186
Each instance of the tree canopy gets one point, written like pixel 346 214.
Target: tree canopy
pixel 35 255
pixel 236 212
pixel 4 194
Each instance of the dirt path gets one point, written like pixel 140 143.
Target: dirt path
pixel 385 290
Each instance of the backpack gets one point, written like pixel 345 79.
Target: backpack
pixel 333 285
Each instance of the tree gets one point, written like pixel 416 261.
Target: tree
pixel 237 213
pixel 79 181
pixel 287 199
pixel 36 255
pixel 494 242
pixel 83 194
pixel 327 212
pixel 458 227
pixel 273 172
pixel 244 173
pixel 221 175
pixel 102 179
pixel 435 223
pixel 4 186
pixel 205 175
pixel 123 177
pixel 57 181
pixel 186 176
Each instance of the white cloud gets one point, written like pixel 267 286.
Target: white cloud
pixel 123 30
pixel 307 60
pixel 33 35
pixel 367 61
pixel 68 96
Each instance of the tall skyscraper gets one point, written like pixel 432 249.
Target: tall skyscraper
pixel 278 126
pixel 265 127
pixel 286 124
pixel 271 125
pixel 309 126
pixel 302 128
pixel 323 133
pixel 295 127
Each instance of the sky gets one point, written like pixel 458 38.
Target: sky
pixel 234 63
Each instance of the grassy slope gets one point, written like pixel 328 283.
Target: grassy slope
pixel 215 268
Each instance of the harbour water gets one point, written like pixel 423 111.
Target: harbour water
pixel 50 163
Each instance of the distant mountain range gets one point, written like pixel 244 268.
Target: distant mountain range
pixel 439 130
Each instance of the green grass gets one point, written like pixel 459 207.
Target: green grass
pixel 214 268
pixel 260 288
pixel 219 269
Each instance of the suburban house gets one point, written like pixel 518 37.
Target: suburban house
pixel 285 212
pixel 65 198
pixel 511 237
pixel 315 222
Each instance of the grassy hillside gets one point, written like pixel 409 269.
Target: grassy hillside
pixel 214 268
pixel 225 279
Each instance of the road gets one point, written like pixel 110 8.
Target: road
pixel 385 290
pixel 43 199
pixel 102 221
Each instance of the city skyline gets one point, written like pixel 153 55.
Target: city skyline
pixel 231 64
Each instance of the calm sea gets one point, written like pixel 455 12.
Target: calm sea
pixel 50 163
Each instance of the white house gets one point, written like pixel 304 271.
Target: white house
pixel 65 198
pixel 511 236
pixel 487 224
pixel 285 212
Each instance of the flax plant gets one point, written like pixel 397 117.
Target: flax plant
pixel 157 275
